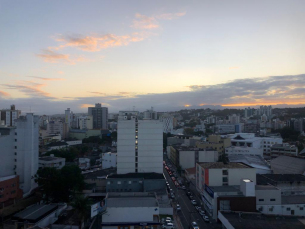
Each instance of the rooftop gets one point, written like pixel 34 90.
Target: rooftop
pixel 297 199
pixel 35 213
pixel 261 221
pixel 7 177
pixel 220 165
pixel 231 188
pixel 288 165
pixel 137 175
pixel 273 179
pixel 99 173
pixel 56 144
pixel 252 160
pixel 265 187
pixel 191 170
pixel 49 158
pixel 131 202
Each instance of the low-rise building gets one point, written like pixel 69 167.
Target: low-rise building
pixel 83 163
pixel 187 157
pixel 51 161
pixel 131 210
pixel 9 189
pixel 215 142
pixel 289 184
pixel 109 160
pixel 283 149
pixel 220 174
pixel 288 165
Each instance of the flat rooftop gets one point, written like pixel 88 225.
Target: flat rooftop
pixel 264 179
pixel 232 188
pixel 297 199
pixel 47 158
pixel 265 187
pixel 261 221
pixel 137 175
pixel 129 201
pixel 35 213
pixel 220 165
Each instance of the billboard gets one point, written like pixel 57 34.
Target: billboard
pixel 97 208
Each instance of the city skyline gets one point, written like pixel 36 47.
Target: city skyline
pixel 160 54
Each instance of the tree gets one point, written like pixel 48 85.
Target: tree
pixel 59 185
pixel 81 205
pixel 114 136
pixel 188 131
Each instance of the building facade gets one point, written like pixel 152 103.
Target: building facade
pixel 100 116
pixel 139 145
pixel 9 116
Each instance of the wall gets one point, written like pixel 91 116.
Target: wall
pixel 267 195
pixel 130 214
pixel 235 175
pixel 282 209
pixel 187 159
pixel 7 152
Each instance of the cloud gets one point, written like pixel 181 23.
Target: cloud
pixel 96 43
pixel 53 57
pixel 144 22
pixel 60 72
pixel 273 90
pixel 170 16
pixel 29 88
pixel 4 94
pixel 46 79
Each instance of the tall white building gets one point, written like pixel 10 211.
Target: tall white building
pixel 19 151
pixel 140 144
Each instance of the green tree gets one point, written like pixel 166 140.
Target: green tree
pixel 114 136
pixel 58 185
pixel 81 205
pixel 188 131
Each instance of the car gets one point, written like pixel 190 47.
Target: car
pixel 183 187
pixel 168 218
pixel 205 218
pixel 194 202
pixel 178 207
pixel 197 208
pixel 188 193
pixel 195 225
pixel 173 196
pixel 191 197
pixel 168 226
pixel 201 212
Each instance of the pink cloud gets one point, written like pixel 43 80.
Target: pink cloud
pixel 4 94
pixel 53 57
pixel 144 22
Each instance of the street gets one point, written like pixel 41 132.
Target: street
pixel 188 212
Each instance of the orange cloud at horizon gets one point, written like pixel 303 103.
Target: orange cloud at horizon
pixel 3 93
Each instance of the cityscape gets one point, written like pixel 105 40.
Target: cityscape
pixel 152 114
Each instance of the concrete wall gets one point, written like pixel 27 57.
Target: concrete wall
pixel 267 195
pixel 130 214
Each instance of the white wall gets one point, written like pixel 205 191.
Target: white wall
pixel 109 160
pixel 282 209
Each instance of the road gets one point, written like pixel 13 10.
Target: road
pixel 188 211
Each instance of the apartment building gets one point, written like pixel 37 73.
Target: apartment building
pixel 100 116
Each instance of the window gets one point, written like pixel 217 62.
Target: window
pixel 224 172
pixel 14 191
pixel 261 200
pixel 108 182
pixel 129 182
pixel 119 182
pixel 15 133
pixel 15 147
pixel 224 179
pixel 15 140
pixel 301 208
pixel 288 209
pixel 272 199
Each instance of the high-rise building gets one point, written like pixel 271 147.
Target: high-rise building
pixel 100 116
pixel 139 145
pixel 234 119
pixel 150 114
pixel 9 116
pixel 19 151
pixel 168 123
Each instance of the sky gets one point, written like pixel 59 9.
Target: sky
pixel 169 55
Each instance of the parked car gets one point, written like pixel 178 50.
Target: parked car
pixel 195 225
pixel 205 218
pixel 183 187
pixel 168 226
pixel 201 212
pixel 194 202
pixel 168 218
pixel 178 207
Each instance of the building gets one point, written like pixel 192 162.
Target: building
pixel 220 174
pixel 229 198
pixel 283 149
pixel 187 157
pixel 168 123
pixel 9 116
pixel 225 128
pixel 131 210
pixel 83 163
pixel 255 161
pixel 150 114
pixel 36 216
pixel 85 122
pixel 139 145
pixel 252 220
pixel 55 127
pixel 51 161
pixel 243 150
pixel 215 142
pixel 135 182
pixel 19 151
pixel 234 119
pixel 100 116
pixel 249 140
pixel 265 110
pixel 9 189
pixel 109 160
pixel 270 201
pixel 249 112
pixel 289 184
pixel 288 165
